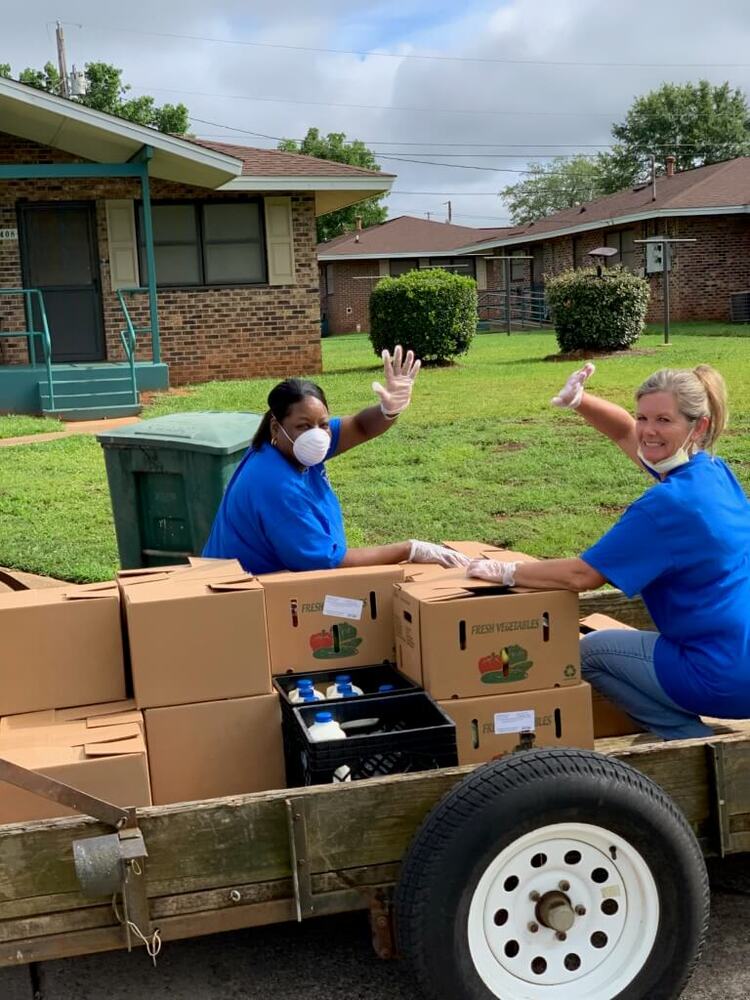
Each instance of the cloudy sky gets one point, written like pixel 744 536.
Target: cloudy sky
pixel 483 86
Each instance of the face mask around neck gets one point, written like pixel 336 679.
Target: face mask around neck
pixel 311 447
pixel 680 457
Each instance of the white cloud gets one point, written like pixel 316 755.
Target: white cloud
pixel 572 31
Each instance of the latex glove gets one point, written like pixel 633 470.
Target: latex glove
pixel 572 392
pixel 400 373
pixel 496 572
pixel 428 552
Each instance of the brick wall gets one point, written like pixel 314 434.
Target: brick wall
pixel 703 274
pixel 206 333
pixel 349 304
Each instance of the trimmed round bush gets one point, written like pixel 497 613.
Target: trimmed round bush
pixel 431 312
pixel 597 314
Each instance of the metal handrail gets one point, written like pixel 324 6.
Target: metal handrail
pixel 29 294
pixel 129 336
pixel 525 304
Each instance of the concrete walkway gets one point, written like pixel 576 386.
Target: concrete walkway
pixel 75 427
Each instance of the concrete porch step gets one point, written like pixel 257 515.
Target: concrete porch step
pixel 93 412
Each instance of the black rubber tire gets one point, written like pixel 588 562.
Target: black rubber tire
pixel 502 801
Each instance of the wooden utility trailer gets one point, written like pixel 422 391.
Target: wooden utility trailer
pixel 294 854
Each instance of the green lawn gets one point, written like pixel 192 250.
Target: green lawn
pixel 20 426
pixel 480 454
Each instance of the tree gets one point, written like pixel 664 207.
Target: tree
pixel 561 183
pixel 334 146
pixel 697 123
pixel 106 92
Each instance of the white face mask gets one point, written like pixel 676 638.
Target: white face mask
pixel 311 447
pixel 680 457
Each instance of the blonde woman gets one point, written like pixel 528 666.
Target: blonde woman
pixel 684 546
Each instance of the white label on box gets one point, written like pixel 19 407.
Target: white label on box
pixel 514 722
pixel 343 607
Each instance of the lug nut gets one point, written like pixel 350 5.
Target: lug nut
pixel 561 936
pixel 534 897
pixel 581 910
pixel 564 886
pixel 533 928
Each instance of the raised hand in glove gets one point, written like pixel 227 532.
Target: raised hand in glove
pixel 428 552
pixel 400 373
pixel 572 392
pixel 503 573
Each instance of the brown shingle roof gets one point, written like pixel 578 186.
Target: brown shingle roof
pixel 404 234
pixel 276 163
pixel 720 185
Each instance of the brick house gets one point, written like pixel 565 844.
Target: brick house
pixel 151 258
pixel 709 204
pixel 350 265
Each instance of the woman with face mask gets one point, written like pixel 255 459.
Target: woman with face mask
pixel 279 511
pixel 684 546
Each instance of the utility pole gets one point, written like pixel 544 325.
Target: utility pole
pixel 61 64
pixel 653 177
pixel 450 210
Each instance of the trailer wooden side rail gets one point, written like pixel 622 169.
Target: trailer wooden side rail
pixel 296 853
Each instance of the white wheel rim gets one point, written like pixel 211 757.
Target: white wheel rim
pixel 614 928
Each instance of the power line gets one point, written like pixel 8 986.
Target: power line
pixel 373 107
pixel 458 166
pixel 468 194
pixel 570 63
pixel 402 159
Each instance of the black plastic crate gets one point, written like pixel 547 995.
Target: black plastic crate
pixel 368 678
pixel 386 735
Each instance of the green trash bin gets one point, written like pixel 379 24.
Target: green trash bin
pixel 166 479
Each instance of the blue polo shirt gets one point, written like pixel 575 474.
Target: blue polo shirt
pixel 685 547
pixel 273 516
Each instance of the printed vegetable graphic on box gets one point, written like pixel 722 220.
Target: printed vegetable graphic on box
pixel 337 642
pixel 509 665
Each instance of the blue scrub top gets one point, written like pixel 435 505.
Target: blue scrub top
pixel 685 547
pixel 276 517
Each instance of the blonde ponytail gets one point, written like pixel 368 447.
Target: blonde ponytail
pixel 716 394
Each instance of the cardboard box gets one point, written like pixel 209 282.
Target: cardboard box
pixel 60 647
pixel 609 720
pixel 200 569
pixel 337 618
pixel 480 550
pixel 215 748
pixel 194 640
pixel 460 638
pixel 487 728
pixel 98 749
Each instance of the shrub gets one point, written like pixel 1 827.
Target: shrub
pixel 602 314
pixel 433 313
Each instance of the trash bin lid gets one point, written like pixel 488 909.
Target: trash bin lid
pixel 214 433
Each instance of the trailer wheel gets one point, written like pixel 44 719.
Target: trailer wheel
pixel 553 875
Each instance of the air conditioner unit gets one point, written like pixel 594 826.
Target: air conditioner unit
pixel 739 307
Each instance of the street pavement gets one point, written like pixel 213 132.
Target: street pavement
pixel 324 959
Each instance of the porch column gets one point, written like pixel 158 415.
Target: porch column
pixel 148 235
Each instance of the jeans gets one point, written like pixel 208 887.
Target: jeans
pixel 620 664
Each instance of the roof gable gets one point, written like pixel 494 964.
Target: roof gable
pixel 718 186
pixel 404 235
